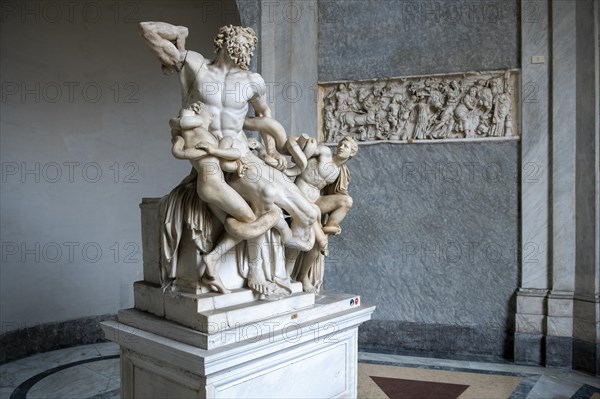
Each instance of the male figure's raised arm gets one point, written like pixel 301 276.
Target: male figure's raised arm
pixel 259 98
pixel 167 42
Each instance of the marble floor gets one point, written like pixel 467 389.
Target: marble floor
pixel 92 371
pixel 482 379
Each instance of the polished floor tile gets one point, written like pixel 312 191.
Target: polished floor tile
pixel 477 385
pixel 74 382
pixel 79 372
pixel 535 382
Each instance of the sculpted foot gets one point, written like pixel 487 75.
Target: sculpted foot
pixel 332 230
pixel 211 275
pixel 258 284
pixel 307 286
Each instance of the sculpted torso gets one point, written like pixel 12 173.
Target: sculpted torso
pixel 194 136
pixel 319 173
pixel 226 94
pixel 249 202
pixel 207 166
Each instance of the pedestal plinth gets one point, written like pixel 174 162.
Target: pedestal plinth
pixel 307 351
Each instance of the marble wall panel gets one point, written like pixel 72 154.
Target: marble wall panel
pixel 468 105
pixel 433 236
pixel 378 38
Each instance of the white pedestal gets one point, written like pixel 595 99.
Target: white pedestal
pixel 308 352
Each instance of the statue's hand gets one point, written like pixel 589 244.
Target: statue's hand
pixel 280 159
pixel 241 169
pixel 269 160
pixel 196 107
pixel 181 36
pixel 205 146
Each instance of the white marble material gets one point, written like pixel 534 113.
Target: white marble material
pixel 212 312
pixel 549 383
pixel 224 329
pixel 234 199
pixel 81 380
pixel 320 352
pixel 535 158
pixel 564 124
pixel 183 340
pixel 560 182
pixel 564 241
pixel 470 105
pixel 107 349
pixel 534 304
pixel 552 387
pixel 99 378
pixel 149 297
pixel 108 368
pixel 534 146
pixel 182 309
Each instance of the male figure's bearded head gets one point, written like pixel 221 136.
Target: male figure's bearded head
pixel 239 42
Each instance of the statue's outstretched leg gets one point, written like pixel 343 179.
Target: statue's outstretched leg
pixel 292 241
pixel 246 231
pixel 303 212
pixel 212 261
pixel 321 239
pixel 332 230
pixel 337 206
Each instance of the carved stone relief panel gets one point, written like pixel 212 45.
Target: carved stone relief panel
pixel 458 106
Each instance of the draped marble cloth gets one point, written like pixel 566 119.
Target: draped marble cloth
pixel 340 185
pixel 183 209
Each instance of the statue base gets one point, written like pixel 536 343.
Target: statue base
pixel 212 312
pixel 306 352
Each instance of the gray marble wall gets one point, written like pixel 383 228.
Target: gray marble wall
pixel 361 39
pixel 76 162
pixel 432 240
pixel 434 235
